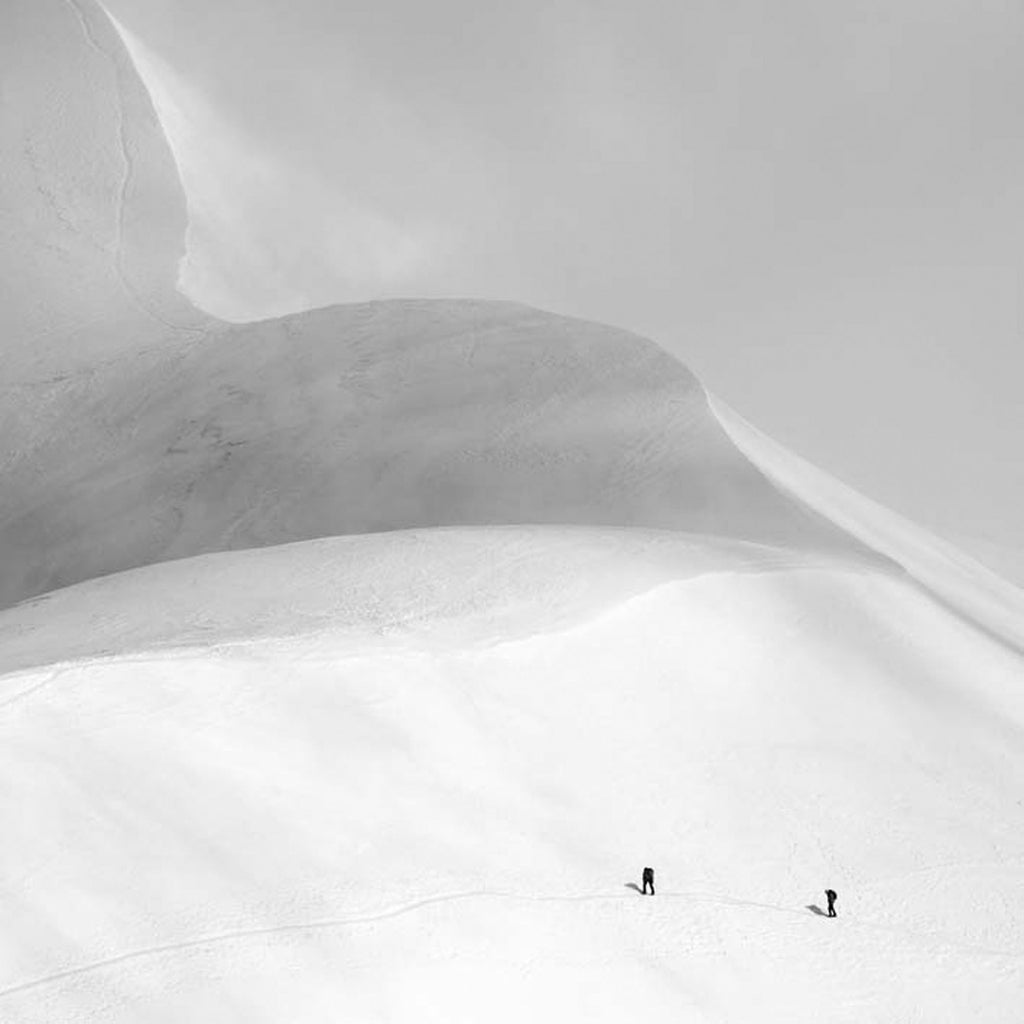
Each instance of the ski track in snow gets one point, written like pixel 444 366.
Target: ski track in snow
pixel 29 690
pixel 401 909
pixel 57 669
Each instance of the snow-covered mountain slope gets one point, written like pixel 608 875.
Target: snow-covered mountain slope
pixel 362 418
pixel 134 430
pixel 520 613
pixel 92 217
pixel 487 584
pixel 411 776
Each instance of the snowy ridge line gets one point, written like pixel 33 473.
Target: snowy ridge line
pixel 127 171
pixel 412 906
pixel 951 576
pixel 378 642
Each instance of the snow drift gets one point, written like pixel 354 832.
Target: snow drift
pixel 395 639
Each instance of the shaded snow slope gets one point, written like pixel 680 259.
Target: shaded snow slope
pixel 373 417
pixel 417 784
pixel 133 431
pixel 91 212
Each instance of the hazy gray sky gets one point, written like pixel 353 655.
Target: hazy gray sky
pixel 818 206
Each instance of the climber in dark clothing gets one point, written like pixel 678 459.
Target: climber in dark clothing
pixel 830 895
pixel 648 880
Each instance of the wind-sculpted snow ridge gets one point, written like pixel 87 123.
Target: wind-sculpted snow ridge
pixel 377 417
pixel 946 572
pixel 134 431
pixel 91 214
pixel 516 616
pixel 467 586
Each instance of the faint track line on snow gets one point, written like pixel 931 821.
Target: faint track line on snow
pixel 246 933
pixel 58 668
pixel 29 690
pixel 322 925
pixel 400 909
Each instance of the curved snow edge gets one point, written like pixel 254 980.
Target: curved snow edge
pixel 952 576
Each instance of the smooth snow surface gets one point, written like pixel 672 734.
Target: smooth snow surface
pixel 396 639
pixel 412 776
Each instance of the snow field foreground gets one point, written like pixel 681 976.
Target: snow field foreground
pixel 410 821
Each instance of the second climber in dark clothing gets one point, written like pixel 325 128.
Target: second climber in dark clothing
pixel 830 895
pixel 648 880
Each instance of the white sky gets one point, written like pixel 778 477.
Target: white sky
pixel 818 206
